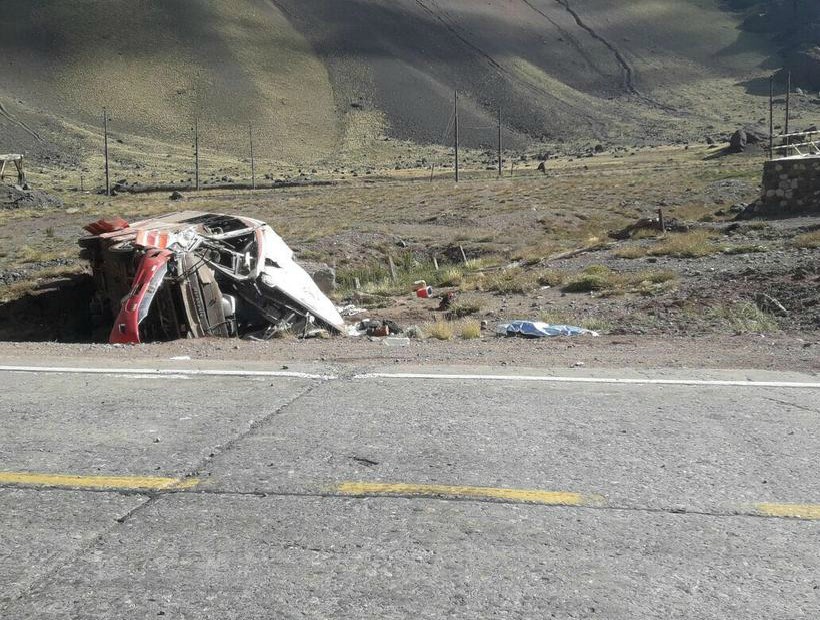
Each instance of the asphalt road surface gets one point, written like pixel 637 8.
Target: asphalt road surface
pixel 335 492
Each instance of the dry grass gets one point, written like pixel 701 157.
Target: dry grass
pixel 746 248
pixel 808 241
pixel 470 329
pixel 439 330
pixel 745 317
pixel 453 276
pixel 515 281
pixel 602 279
pixel 551 277
pixel 596 278
pixel 30 254
pixel 631 251
pixel 693 244
pixel 535 254
pixel 17 290
pixel 460 310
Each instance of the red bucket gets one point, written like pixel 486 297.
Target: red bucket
pixel 425 293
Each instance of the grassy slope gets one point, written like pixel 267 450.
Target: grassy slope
pixel 294 67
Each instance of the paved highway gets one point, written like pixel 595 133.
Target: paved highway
pixel 185 491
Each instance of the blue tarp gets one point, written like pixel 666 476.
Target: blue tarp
pixel 537 329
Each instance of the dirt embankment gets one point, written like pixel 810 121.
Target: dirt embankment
pixel 16 197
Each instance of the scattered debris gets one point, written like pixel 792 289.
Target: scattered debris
pixel 375 328
pixel 447 300
pixel 193 274
pixel 649 223
pixel 350 310
pixel 537 329
pixel 767 303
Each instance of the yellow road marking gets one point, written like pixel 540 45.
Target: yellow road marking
pixel 796 511
pixel 127 483
pixel 553 498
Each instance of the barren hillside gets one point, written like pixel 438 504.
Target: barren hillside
pixel 319 77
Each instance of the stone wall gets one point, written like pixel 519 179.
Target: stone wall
pixel 790 187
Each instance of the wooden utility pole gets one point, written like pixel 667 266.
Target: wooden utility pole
pixel 196 152
pixel 253 162
pixel 771 117
pixel 788 100
pixel 105 133
pixel 455 114
pixel 499 141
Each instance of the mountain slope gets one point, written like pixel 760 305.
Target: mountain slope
pixel 157 65
pixel 320 77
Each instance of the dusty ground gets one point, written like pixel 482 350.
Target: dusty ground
pixel 754 351
pixel 725 292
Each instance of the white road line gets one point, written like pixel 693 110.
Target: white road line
pixel 184 373
pixel 166 372
pixel 547 379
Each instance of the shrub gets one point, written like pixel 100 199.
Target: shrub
pixel 550 277
pixel 595 278
pixel 440 330
pixel 470 329
pixel 460 309
pixel 632 251
pixel 692 244
pixel 745 317
pixel 510 281
pixel 808 241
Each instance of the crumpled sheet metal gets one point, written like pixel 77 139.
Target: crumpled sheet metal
pixel 538 329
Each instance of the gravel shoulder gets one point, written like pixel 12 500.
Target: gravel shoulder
pixel 774 352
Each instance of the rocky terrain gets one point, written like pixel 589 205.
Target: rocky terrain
pixel 562 247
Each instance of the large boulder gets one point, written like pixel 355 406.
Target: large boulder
pixel 325 279
pixel 738 141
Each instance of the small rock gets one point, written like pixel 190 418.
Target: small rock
pixel 396 341
pixel 325 279
pixel 414 331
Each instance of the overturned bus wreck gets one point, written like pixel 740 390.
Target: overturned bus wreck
pixel 192 274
